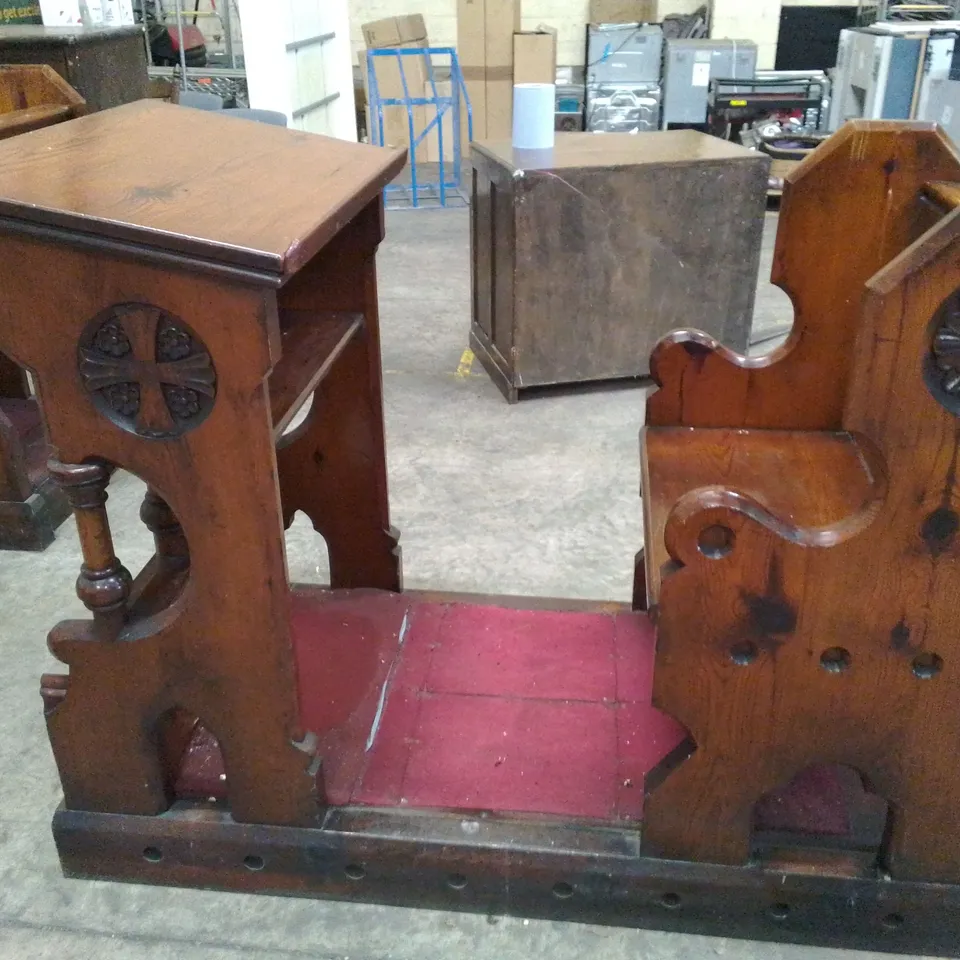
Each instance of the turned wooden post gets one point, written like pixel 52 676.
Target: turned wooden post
pixel 104 583
pixel 171 544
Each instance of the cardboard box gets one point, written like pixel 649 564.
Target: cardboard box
pixel 471 53
pixel 499 110
pixel 408 31
pixel 624 11
pixel 485 30
pixel 501 22
pixel 535 56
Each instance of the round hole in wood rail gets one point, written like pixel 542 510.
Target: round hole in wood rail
pixel 152 854
pixel 253 862
pixel 893 921
pixel 744 653
pixel 670 900
pixel 354 871
pixel 927 665
pixel 456 881
pixel 715 541
pixel 835 660
pixel 780 911
pixel 562 890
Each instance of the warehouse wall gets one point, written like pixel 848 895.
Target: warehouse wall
pixel 757 20
pixel 568 16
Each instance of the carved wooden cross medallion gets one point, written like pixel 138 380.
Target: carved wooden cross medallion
pixel 147 371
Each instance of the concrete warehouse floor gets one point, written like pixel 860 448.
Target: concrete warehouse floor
pixel 538 498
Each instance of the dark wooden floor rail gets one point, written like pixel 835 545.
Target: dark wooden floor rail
pixel 767 753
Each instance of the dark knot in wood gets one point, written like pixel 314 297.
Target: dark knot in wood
pixel 147 371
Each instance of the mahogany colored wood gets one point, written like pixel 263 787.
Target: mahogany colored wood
pixel 31 505
pixel 159 356
pixel 803 572
pixel 331 466
pixel 813 485
pixel 311 344
pixel 869 165
pixel 848 210
pixel 35 96
pixel 806 614
pixel 140 196
pixel 514 866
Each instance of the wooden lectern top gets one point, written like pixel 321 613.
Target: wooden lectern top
pixel 191 183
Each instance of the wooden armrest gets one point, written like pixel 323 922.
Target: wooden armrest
pixel 808 483
pixel 32 118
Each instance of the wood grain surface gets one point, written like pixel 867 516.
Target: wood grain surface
pixel 848 209
pixel 233 191
pixel 778 655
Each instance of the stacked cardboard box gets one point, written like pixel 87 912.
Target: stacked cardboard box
pixel 485 30
pixel 535 56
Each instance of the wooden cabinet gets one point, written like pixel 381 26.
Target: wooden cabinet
pixel 585 255
pixel 107 66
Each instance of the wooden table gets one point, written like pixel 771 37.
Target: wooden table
pixel 586 254
pixel 203 294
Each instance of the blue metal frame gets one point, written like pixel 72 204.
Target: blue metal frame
pixel 446 187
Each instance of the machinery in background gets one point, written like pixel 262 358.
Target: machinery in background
pixel 915 11
pixel 939 91
pixel 689 65
pixel 774 98
pixel 623 77
pixel 880 70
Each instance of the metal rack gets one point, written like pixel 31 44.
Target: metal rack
pixel 447 189
pixel 876 11
pixel 227 79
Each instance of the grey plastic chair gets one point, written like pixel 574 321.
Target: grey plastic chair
pixel 200 101
pixel 273 117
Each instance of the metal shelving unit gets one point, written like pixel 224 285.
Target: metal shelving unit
pixel 875 11
pixel 224 73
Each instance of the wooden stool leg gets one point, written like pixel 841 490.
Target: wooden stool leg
pixel 332 468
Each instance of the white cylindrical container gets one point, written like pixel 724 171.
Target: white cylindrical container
pixel 534 106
